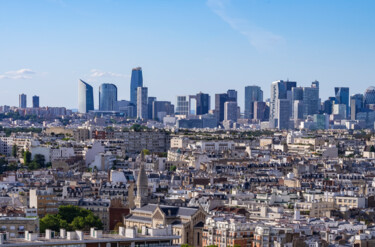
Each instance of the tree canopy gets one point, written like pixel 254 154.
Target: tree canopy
pixel 70 218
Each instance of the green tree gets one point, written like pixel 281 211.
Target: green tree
pixel 70 218
pixel 50 221
pixel 173 168
pixel 14 151
pixel 146 152
pixel 40 159
pixel 33 165
pixel 27 157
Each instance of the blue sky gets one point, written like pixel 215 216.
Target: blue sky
pixel 183 46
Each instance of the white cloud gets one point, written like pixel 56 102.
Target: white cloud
pixel 17 74
pixel 94 73
pixel 259 38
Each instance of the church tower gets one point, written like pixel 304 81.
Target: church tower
pixel 142 186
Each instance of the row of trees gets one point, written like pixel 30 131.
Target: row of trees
pixel 70 218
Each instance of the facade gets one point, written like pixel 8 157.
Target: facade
pixel 22 101
pixel 107 97
pixel 135 142
pixel 142 105
pixel 252 94
pixel 185 222
pixel 227 232
pixel 44 201
pixel 17 226
pixel 230 111
pixel 182 107
pixel 85 97
pixel 35 101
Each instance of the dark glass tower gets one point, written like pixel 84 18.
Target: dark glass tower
pixel 85 97
pixel 35 101
pixel 203 103
pixel 107 97
pixel 342 97
pixel 135 82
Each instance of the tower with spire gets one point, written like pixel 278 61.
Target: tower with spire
pixel 142 185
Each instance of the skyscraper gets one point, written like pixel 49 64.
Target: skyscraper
pixel 311 101
pixel 150 101
pixel 281 94
pixel 85 97
pixel 202 104
pixel 328 105
pixel 342 97
pixel 283 113
pixel 220 100
pixel 135 82
pixel 369 96
pixel 232 95
pixel 182 107
pixel 252 94
pixel 107 97
pixel 160 109
pixel 356 105
pixel 22 101
pixel 261 111
pixel 142 106
pixel 35 101
pixel 230 111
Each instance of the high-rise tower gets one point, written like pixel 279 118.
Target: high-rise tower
pixel 85 97
pixel 35 101
pixel 107 97
pixel 135 82
pixel 252 94
pixel 142 105
pixel 22 101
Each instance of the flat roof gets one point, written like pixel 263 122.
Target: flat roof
pixel 106 238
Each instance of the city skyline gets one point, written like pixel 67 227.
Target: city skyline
pixel 300 48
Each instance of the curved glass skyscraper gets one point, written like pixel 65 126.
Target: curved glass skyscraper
pixel 107 97
pixel 135 82
pixel 85 97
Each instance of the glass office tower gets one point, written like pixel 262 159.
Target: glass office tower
pixel 22 101
pixel 85 97
pixel 107 97
pixel 252 94
pixel 342 97
pixel 35 101
pixel 135 82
